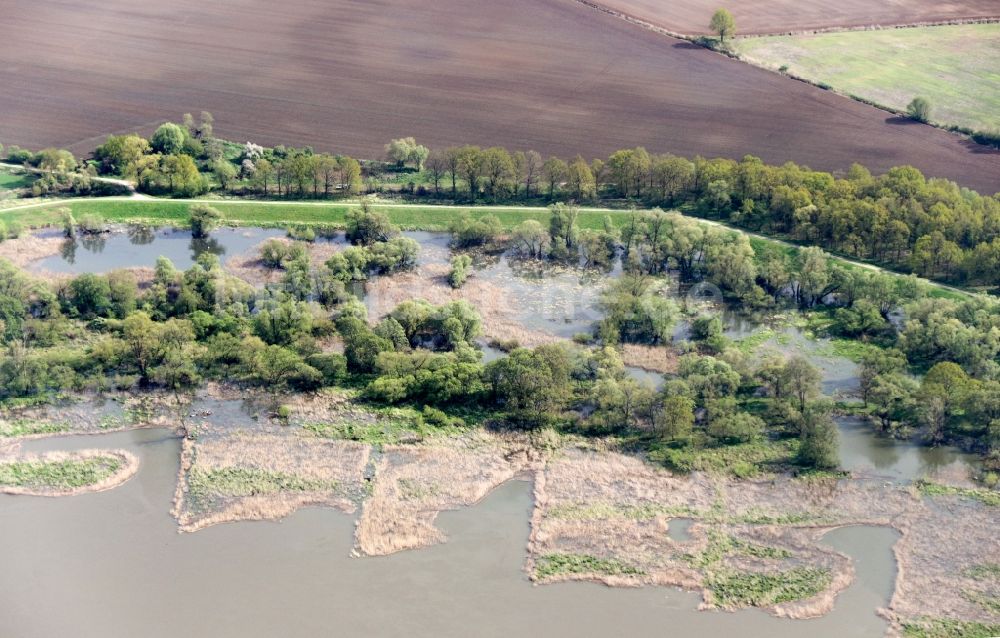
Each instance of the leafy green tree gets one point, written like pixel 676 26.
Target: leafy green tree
pixel 580 179
pixel 733 426
pixel 497 167
pixel 366 226
pixel 534 385
pixel 674 419
pixel 203 219
pixel 88 296
pixel 55 159
pixel 636 312
pixel 554 172
pixel 470 167
pixel 120 154
pixel 530 238
pixel 405 150
pixel 818 440
pixel 708 377
pixel 168 139
pixel 224 172
pixel 722 22
pixel 802 379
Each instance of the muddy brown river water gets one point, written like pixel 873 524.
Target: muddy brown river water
pixel 113 564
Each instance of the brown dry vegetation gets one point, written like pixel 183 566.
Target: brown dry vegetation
pixel 334 467
pixel 413 483
pixel 617 508
pixel 494 303
pixel 248 266
pixel 789 16
pixel 27 248
pixel 553 75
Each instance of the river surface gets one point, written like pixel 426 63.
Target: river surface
pixel 113 564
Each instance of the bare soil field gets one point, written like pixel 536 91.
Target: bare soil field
pixel 345 76
pixel 788 16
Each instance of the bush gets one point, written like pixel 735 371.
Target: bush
pixel 466 231
pixel 459 270
pixel 366 226
pixel 919 109
pixel 332 366
pixel 91 224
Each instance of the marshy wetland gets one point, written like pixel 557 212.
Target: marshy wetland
pixel 898 536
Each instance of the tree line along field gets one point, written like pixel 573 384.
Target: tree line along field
pixel 791 16
pixel 555 75
pixel 957 68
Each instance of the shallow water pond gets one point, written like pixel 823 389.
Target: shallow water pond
pixel 112 564
pixel 863 451
pixel 141 246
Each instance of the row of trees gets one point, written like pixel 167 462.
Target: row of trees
pixel 901 219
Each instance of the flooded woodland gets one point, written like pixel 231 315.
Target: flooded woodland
pixel 316 509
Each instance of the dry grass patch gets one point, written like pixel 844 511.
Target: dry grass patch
pixel 497 305
pixel 652 358
pixel 246 475
pixel 29 248
pixel 414 483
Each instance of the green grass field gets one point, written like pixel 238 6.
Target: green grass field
pixel 957 67
pixel 281 214
pixel 10 180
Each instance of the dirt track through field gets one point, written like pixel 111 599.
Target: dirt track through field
pixel 346 76
pixel 784 16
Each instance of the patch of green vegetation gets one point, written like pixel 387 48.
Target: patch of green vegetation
pixel 380 425
pixel 207 486
pixel 557 564
pixel 847 348
pixel 602 511
pixel 984 496
pixel 948 65
pixel 743 460
pixel 989 603
pixel 755 550
pixel 983 571
pixel 67 474
pixel 748 345
pixel 743 589
pixel 9 181
pixel 26 427
pixel 948 628
pixel 757 517
pixel 721 545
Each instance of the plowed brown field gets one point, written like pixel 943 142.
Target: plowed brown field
pixel 347 76
pixel 785 16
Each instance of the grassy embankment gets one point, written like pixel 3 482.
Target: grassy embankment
pixel 956 67
pixel 407 216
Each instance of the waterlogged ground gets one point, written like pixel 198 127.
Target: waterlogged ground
pixel 90 565
pixel 595 513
